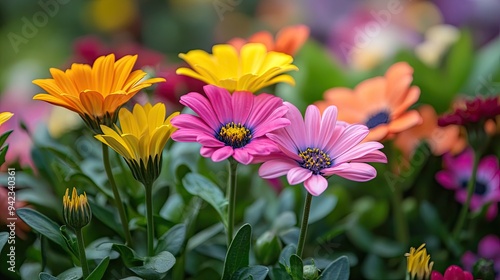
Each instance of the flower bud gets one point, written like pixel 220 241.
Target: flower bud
pixel 310 272
pixel 76 209
pixel 483 269
pixel 267 248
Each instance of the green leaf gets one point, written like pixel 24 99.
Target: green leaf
pixel 238 254
pixel 43 225
pixel 199 185
pixel 106 216
pixel 99 271
pixel 101 248
pixel 257 272
pixel 279 273
pixel 284 221
pixel 46 276
pixel 287 252
pixel 4 237
pixel 296 267
pixel 155 267
pixel 337 270
pixel 73 273
pixel 4 137
pixel 128 256
pixel 172 240
pixel 321 206
pixel 70 241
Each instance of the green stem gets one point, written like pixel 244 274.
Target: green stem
pixel 303 226
pixel 116 193
pixel 81 249
pixel 470 191
pixel 149 214
pixel 231 194
pixel 398 215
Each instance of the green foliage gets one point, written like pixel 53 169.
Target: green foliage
pixel 238 253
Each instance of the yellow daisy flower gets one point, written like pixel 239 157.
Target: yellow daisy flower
pixel 418 263
pixel 141 139
pixel 95 92
pixel 249 69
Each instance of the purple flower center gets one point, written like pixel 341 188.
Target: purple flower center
pixel 377 119
pixel 234 135
pixel 315 160
pixel 479 189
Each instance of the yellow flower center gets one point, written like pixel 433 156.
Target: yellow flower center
pixel 234 135
pixel 315 160
pixel 419 263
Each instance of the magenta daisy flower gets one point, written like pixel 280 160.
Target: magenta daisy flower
pixel 317 147
pixel 487 249
pixel 457 175
pixel 230 124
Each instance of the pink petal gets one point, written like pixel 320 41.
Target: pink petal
pixel 436 276
pixel 242 106
pixel 208 140
pixel 222 153
pixel 201 106
pixel 220 99
pixel 185 135
pixel 269 126
pixel 328 125
pixel 264 105
pixel 468 276
pixel 242 156
pixel 374 156
pixel 468 260
pixel 351 136
pixel 207 151
pixel 313 123
pixel 356 171
pixel 489 247
pixel 298 175
pixel 276 168
pixel 316 184
pixel 285 143
pixel 488 167
pixel 454 272
pixel 492 212
pixel 262 146
pixel 358 151
pixel 296 129
pixel 184 121
pixel 447 180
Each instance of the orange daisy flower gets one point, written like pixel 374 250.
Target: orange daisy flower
pixel 381 103
pixel 440 139
pixel 288 40
pixel 95 92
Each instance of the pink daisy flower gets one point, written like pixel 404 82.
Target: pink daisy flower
pixel 230 124
pixel 317 147
pixel 456 176
pixel 487 249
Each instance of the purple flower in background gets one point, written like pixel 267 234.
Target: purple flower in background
pixel 488 249
pixel 456 176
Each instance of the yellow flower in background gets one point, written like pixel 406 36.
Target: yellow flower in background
pixel 5 116
pixel 112 15
pixel 418 263
pixel 95 92
pixel 76 209
pixel 249 69
pixel 141 139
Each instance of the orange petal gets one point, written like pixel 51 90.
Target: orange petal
pixel 263 37
pixel 237 43
pixel 377 133
pixel 93 102
pixel 290 39
pixel 404 122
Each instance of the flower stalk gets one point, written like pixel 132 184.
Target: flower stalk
pixel 303 225
pixel 82 255
pixel 116 194
pixel 150 220
pixel 231 195
pixel 470 190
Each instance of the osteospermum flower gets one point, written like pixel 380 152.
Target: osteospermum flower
pixel 288 40
pixel 418 263
pixel 95 92
pixel 488 250
pixel 456 176
pixel 380 103
pixel 317 147
pixel 453 272
pixel 470 112
pixel 230 125
pixel 140 139
pixel 250 69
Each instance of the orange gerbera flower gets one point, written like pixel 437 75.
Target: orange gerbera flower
pixel 381 103
pixel 440 139
pixel 288 40
pixel 96 92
